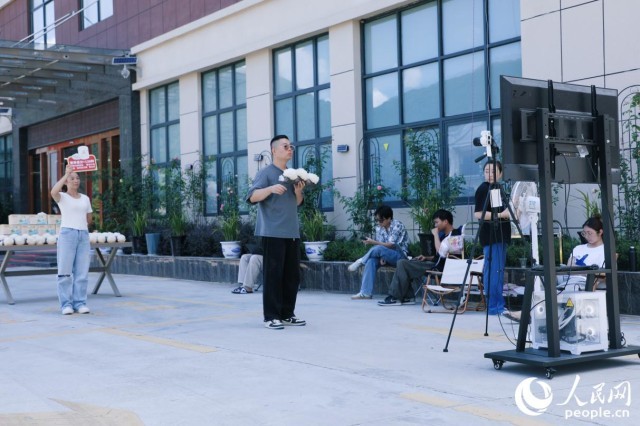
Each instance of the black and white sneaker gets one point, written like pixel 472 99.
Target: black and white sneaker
pixel 389 301
pixel 294 321
pixel 408 301
pixel 274 324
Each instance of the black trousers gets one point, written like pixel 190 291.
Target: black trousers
pixel 281 277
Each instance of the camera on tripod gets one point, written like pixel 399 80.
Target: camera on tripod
pixel 487 141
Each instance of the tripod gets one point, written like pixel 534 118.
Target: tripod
pixel 498 231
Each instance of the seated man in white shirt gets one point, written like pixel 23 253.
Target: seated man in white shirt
pixel 447 240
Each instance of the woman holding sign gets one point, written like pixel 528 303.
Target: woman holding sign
pixel 73 243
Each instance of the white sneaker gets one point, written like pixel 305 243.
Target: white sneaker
pixel 83 309
pixel 68 310
pixel 274 324
pixel 355 265
pixel 361 296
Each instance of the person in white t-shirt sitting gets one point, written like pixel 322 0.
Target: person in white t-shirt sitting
pixel 588 254
pixel 447 240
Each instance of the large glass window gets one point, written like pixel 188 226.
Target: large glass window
pixel 464 80
pixel 462 25
pixel 303 104
pixel 164 104
pixel 224 124
pixel 437 65
pixel 504 20
pixel 460 158
pixel 42 20
pixel 94 11
pixel 504 60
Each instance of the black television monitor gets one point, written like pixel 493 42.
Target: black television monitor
pixel 521 97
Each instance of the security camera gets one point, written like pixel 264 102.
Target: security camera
pixel 124 72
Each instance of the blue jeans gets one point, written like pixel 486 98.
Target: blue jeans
pixel 371 262
pixel 495 257
pixel 73 267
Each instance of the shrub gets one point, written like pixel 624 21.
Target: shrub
pixel 345 250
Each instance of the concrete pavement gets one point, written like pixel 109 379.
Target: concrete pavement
pixel 172 352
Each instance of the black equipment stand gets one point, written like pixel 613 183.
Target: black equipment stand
pixel 494 221
pixel 548 147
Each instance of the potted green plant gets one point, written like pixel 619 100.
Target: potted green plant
pixel 425 191
pixel 230 227
pixel 178 225
pixel 230 221
pixel 313 231
pixel 138 226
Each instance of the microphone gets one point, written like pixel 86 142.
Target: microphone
pixel 476 142
pixel 482 157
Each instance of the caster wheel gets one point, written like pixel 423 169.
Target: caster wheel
pixel 550 372
pixel 497 364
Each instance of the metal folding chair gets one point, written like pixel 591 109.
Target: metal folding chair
pixel 443 286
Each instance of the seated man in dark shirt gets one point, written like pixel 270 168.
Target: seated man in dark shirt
pixel 408 270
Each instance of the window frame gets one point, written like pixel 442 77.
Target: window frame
pixel 48 37
pixel 488 114
pixel 160 168
pixel 98 5
pixel 219 158
pixel 318 144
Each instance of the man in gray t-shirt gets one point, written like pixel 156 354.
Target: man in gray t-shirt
pixel 278 225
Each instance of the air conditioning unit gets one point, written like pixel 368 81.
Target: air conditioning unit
pixel 5 112
pixel 582 321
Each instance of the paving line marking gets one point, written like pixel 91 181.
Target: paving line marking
pixel 459 334
pixel 233 315
pixel 474 410
pixel 256 314
pixel 160 340
pixel 191 301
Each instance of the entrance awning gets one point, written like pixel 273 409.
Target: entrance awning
pixel 39 83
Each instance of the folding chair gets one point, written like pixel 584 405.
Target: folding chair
pixel 449 283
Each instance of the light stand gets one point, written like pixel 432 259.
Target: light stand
pixel 487 141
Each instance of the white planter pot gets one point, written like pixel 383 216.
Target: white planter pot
pixel 231 249
pixel 315 249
